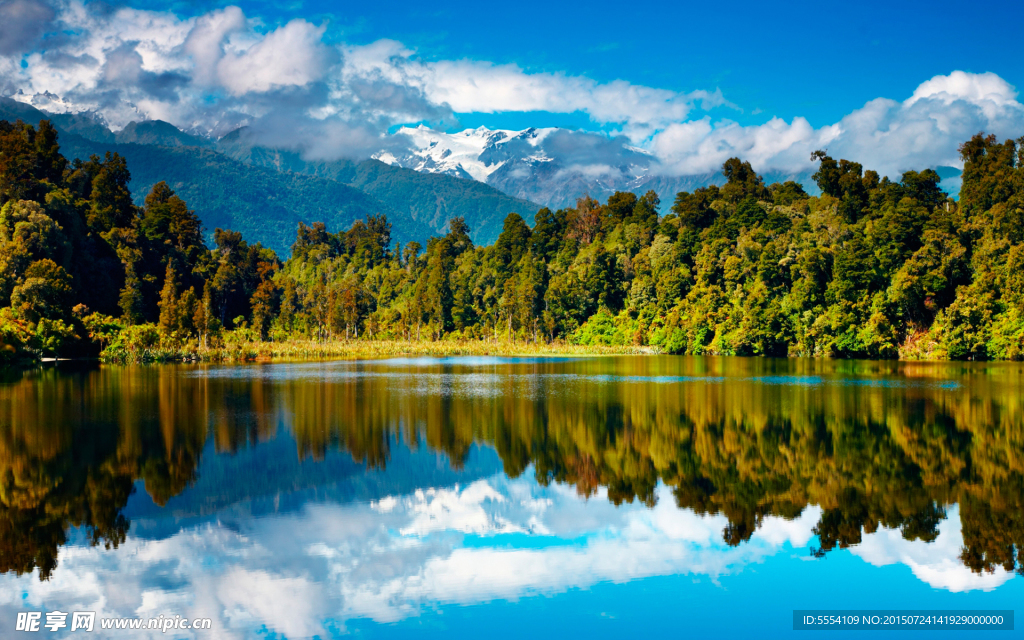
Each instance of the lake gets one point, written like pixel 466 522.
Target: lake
pixel 511 497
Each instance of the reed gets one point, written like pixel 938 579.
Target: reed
pixel 313 349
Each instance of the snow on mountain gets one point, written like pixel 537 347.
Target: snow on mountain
pixel 474 153
pixel 49 102
pixel 552 166
pixel 549 166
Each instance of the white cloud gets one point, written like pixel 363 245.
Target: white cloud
pixel 470 86
pixel 102 59
pixel 206 40
pixel 221 70
pixel 291 56
pixel 885 135
pixel 977 88
pixel 700 146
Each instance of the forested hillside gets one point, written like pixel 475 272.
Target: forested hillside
pixel 431 200
pixel 257 202
pixel 265 193
pixel 872 268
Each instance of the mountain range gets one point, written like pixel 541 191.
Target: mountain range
pixel 265 193
pixel 556 166
pixel 479 174
pixel 551 166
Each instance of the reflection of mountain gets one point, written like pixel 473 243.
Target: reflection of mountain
pixel 869 446
pixel 269 479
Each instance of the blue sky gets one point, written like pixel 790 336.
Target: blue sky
pixel 894 86
pixel 819 60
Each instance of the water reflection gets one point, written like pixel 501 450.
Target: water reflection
pixel 718 463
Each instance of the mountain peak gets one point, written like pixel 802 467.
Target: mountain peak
pixel 158 132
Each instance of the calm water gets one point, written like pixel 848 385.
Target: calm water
pixel 459 497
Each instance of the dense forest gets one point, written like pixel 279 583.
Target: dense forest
pixel 872 268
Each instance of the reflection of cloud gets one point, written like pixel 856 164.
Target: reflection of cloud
pixel 497 539
pixel 936 563
pixel 467 511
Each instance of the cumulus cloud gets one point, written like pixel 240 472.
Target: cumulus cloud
pixel 471 86
pixel 291 56
pixel 206 40
pixel 212 73
pixel 986 89
pixel 888 136
pixel 221 70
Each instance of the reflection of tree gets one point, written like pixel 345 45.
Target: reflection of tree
pixel 350 416
pixel 71 447
pixel 241 411
pixel 993 534
pixel 868 456
pixel 45 492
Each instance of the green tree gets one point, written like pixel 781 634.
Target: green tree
pixel 109 195
pixel 45 292
pixel 512 243
pixel 169 310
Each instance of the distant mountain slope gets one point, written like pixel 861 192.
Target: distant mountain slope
pixel 543 165
pixel 160 133
pixel 264 204
pixel 86 126
pixel 264 192
pixel 431 199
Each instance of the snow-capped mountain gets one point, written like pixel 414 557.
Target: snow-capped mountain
pixel 473 154
pixel 551 166
pixel 46 101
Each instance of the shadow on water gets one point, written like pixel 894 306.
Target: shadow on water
pixel 873 444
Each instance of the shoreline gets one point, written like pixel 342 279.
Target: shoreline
pixel 311 350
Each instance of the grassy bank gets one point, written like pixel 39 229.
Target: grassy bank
pixel 311 349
